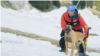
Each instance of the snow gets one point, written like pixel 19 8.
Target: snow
pixel 46 24
pixel 92 20
pixel 13 45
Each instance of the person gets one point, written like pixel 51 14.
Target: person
pixel 73 18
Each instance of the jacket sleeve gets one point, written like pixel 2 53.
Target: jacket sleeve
pixel 83 24
pixel 63 22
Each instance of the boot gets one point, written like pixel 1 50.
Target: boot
pixel 62 50
pixel 82 54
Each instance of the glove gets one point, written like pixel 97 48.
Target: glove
pixel 84 38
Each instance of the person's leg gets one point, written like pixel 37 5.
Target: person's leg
pixel 62 40
pixel 81 46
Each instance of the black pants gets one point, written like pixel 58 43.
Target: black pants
pixel 62 41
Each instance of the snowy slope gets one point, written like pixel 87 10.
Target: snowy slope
pixel 92 20
pixel 34 20
pixel 13 45
pixel 47 24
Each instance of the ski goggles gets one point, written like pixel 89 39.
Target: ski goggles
pixel 71 10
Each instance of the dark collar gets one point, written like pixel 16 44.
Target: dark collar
pixel 75 15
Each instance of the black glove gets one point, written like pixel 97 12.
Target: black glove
pixel 84 38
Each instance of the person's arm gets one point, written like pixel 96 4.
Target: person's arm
pixel 83 23
pixel 63 22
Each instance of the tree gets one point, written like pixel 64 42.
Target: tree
pixel 81 4
pixel 89 3
pixel 56 3
pixel 98 5
pixel 41 5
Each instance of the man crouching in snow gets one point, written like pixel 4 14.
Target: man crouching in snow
pixel 73 18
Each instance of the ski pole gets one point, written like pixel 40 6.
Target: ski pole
pixel 86 38
pixel 77 4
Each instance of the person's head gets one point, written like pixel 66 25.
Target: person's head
pixel 71 10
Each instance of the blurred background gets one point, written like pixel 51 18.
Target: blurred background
pixel 32 28
pixel 49 5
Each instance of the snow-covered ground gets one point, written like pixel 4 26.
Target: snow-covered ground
pixel 13 45
pixel 47 24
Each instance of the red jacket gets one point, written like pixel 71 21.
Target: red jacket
pixel 78 18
